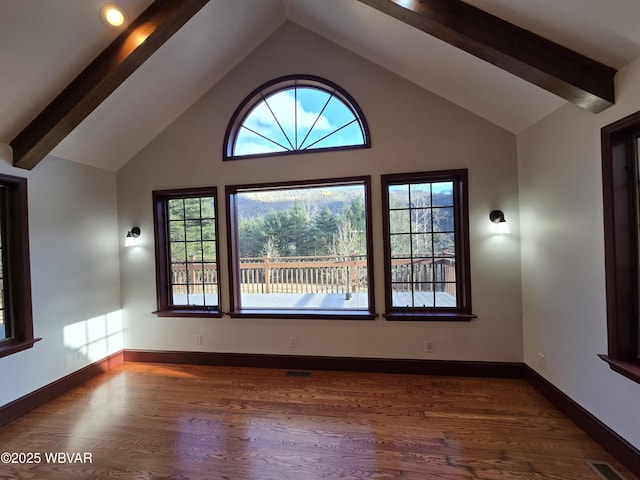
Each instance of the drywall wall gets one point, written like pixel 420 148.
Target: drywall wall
pixel 564 307
pixel 74 274
pixel 412 130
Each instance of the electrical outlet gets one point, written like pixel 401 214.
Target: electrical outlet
pixel 428 346
pixel 197 339
pixel 293 342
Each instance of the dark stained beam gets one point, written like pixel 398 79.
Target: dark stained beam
pixel 570 75
pixel 110 69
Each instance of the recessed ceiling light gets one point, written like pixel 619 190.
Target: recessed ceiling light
pixel 111 15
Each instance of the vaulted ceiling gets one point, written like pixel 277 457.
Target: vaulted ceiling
pixel 45 44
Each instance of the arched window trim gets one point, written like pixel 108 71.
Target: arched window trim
pixel 285 83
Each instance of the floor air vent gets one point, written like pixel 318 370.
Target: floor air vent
pixel 298 374
pixel 606 471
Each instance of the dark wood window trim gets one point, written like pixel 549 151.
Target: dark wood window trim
pixel 463 311
pixel 17 270
pixel 236 311
pixel 622 245
pixel 285 83
pixel 163 284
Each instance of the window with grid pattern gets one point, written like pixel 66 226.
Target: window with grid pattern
pixel 426 246
pixel 186 251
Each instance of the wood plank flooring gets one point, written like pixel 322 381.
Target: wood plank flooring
pixel 152 421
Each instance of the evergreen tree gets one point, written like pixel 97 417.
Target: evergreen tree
pixel 324 227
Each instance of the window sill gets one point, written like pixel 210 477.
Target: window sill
pixel 429 316
pixel 304 314
pixel 16 346
pixel 628 369
pixel 184 312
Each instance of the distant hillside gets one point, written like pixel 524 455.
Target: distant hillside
pixel 255 204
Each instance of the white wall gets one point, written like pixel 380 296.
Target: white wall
pixel 74 274
pixel 411 129
pixel 564 307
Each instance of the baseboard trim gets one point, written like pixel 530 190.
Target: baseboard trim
pixel 347 364
pixel 622 450
pixel 25 404
pixel 617 446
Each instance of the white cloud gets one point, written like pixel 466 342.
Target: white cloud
pixel 283 105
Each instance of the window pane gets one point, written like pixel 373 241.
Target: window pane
pixel 398 196
pixel 303 248
pixel 178 252
pixel 176 231
pixel 313 123
pixel 193 231
pixel 208 229
pixel 341 137
pixel 399 221
pixel 423 295
pixel 444 244
pixel 209 251
pixel 422 244
pixel 401 246
pixel 420 195
pixel 443 219
pixel 176 209
pixel 208 207
pixel 272 119
pixel 194 251
pixel 442 194
pixel 446 295
pixel 421 220
pixel 250 143
pixel 179 295
pixel 402 295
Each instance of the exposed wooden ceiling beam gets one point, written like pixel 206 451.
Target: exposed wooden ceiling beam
pixel 111 68
pixel 570 75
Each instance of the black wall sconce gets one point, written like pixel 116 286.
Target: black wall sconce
pixel 497 217
pixel 131 240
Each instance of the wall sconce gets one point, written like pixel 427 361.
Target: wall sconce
pixel 131 240
pixel 497 217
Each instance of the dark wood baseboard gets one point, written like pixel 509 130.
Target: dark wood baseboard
pixel 25 404
pixel 617 446
pixel 347 364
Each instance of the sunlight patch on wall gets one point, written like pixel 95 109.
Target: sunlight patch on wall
pixel 95 338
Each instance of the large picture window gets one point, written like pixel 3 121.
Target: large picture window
pixel 426 246
pixel 186 252
pixel 16 320
pixel 295 114
pixel 301 249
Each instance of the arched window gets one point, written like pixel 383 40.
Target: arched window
pixel 295 114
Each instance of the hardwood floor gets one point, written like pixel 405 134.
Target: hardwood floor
pixel 152 421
